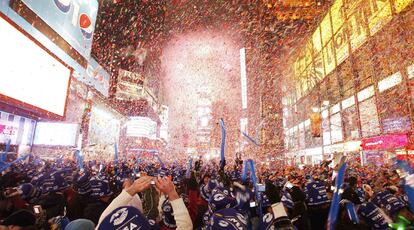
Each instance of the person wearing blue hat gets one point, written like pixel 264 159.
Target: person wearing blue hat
pixel 54 201
pixel 81 198
pixel 317 202
pixel 227 219
pixel 164 185
pixel 101 194
pixel 373 216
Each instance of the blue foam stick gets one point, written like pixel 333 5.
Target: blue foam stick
pixel 350 209
pixel 408 175
pixel 250 139
pixel 3 156
pixel 6 166
pixel 79 159
pixel 116 152
pixel 334 209
pixel 190 163
pixel 250 166
pixel 159 160
pixel 223 142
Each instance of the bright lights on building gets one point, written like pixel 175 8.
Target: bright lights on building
pixel 243 77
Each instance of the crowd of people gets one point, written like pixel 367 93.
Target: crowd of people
pixel 151 194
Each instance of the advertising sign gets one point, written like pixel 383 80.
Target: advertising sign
pixel 94 75
pixel 130 85
pixel 31 75
pixel 379 14
pixel 329 57
pixel 141 127
pixel 74 20
pixel 399 124
pixel 385 142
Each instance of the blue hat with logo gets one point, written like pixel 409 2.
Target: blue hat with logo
pixel 267 222
pixel 388 202
pixel 220 200
pixel 125 217
pixel 372 215
pixel 53 184
pixel 100 188
pixel 81 183
pixel 316 193
pixel 227 219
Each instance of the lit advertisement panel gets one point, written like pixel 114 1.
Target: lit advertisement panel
pixel 341 46
pixel 316 40
pixel 326 30
pixel 357 29
pixel 141 127
pixel 57 134
pixel 336 15
pixel 29 74
pixel 380 14
pixel 329 57
pixel 400 5
pixel 74 20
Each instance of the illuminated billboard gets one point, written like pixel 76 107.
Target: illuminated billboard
pixel 333 35
pixel 56 134
pixel 29 74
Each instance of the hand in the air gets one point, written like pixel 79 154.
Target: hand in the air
pixel 139 185
pixel 166 186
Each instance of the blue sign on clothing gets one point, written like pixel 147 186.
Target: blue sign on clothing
pixel 74 20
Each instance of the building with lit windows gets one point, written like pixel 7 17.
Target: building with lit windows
pixel 354 74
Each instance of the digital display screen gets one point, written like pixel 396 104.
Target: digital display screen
pixel 29 74
pixel 56 134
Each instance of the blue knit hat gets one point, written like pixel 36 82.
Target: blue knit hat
pixel 316 193
pixel 53 184
pixel 228 219
pixel 125 217
pixel 372 215
pixel 29 193
pixel 220 200
pixel 81 183
pixel 388 202
pixel 79 224
pixel 100 188
pixel 267 222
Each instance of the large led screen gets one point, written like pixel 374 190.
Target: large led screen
pixel 57 134
pixel 29 74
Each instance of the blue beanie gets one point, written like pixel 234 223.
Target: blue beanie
pixel 228 219
pixel 29 193
pixel 372 215
pixel 125 217
pixel 81 183
pixel 388 202
pixel 220 200
pixel 53 184
pixel 316 193
pixel 100 188
pixel 79 224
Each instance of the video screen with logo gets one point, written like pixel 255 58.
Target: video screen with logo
pixel 30 75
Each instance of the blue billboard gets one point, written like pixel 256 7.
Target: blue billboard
pixel 73 20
